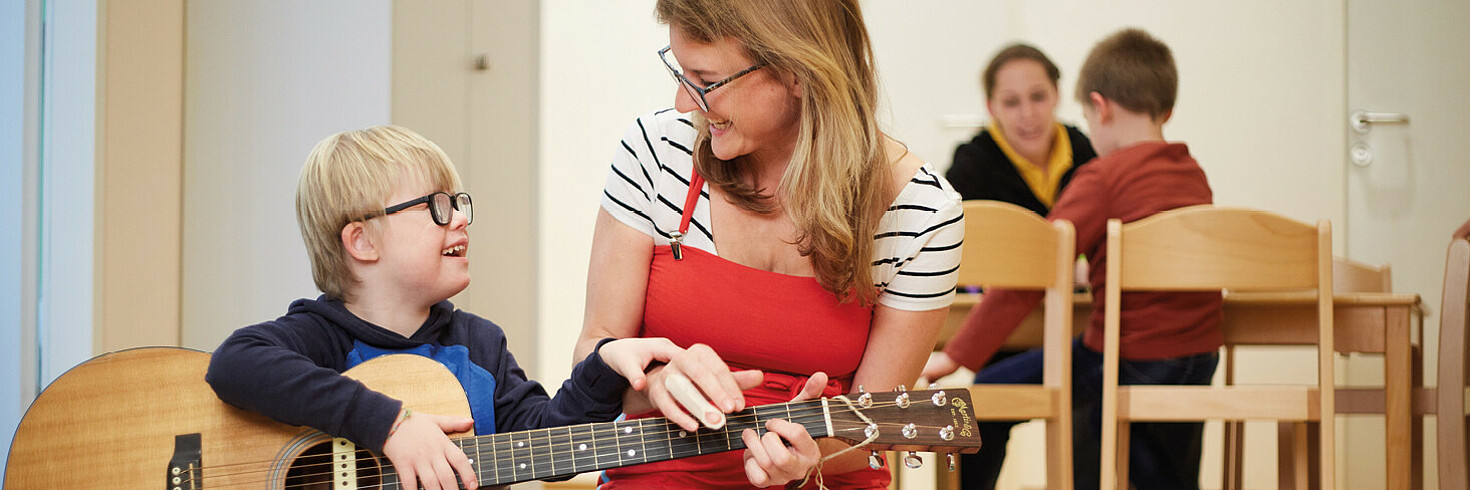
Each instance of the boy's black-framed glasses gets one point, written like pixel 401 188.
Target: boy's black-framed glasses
pixel 441 207
pixel 697 92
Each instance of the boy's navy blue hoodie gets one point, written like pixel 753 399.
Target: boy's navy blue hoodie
pixel 290 370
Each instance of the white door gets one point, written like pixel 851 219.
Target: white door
pixel 1408 183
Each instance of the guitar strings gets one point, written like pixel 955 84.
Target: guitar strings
pixel 726 436
pixel 471 443
pixel 806 413
pixel 576 461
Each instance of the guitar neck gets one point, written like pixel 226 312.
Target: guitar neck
pixel 511 457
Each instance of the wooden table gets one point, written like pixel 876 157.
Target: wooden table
pixel 1365 323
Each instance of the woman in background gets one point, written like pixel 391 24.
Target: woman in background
pixel 1024 157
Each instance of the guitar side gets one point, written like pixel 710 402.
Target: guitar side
pixel 112 421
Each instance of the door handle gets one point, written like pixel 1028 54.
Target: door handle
pixel 1362 121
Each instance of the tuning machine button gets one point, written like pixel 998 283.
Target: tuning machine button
pixel 913 461
pixel 874 461
pixel 949 458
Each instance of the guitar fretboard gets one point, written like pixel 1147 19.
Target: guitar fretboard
pixel 512 457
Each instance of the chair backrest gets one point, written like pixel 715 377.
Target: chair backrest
pixel 1453 352
pixel 1349 276
pixel 1008 246
pixel 1202 248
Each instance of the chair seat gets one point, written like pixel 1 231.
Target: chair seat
pixel 1014 402
pixel 1192 403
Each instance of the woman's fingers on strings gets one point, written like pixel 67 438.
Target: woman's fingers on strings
pixel 813 387
pixel 692 399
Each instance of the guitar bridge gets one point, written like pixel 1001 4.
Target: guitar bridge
pixel 185 470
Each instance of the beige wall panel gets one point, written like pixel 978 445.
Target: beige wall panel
pixel 139 172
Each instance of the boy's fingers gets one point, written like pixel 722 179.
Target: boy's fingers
pixel 690 397
pixel 445 474
pixel 461 464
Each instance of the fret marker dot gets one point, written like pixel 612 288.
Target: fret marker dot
pixel 682 433
pixel 627 430
pixel 582 447
pixel 631 452
pixel 520 444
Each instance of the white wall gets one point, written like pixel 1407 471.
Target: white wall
pixel 264 82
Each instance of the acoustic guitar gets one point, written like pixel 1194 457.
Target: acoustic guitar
pixel 144 418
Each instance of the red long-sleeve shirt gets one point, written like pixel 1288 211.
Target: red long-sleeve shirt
pixel 1129 184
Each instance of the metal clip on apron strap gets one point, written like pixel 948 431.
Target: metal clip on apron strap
pixel 676 238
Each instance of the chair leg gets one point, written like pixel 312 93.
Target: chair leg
pixel 1232 470
pixel 1124 438
pixel 1058 455
pixel 1294 456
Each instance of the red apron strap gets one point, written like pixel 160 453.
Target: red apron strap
pixel 696 183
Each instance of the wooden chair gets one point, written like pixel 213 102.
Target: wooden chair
pixel 1451 406
pixel 1348 276
pixel 1007 246
pixel 1205 248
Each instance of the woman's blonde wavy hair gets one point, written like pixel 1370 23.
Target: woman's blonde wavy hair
pixel 348 177
pixel 835 184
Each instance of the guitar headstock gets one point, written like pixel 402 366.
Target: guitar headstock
pixel 938 420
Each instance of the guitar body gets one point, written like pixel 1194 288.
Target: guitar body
pixel 112 422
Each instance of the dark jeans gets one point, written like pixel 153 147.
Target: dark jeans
pixel 1161 455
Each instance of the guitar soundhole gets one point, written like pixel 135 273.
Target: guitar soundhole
pixel 314 469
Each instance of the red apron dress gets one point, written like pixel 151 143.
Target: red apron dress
pixel 787 326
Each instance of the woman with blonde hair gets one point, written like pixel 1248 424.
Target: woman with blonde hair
pixel 768 218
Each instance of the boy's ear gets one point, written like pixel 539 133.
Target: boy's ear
pixel 358 243
pixel 1101 106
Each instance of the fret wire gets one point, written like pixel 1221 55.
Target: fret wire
pixel 701 439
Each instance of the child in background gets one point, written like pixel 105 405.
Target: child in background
pixel 1127 88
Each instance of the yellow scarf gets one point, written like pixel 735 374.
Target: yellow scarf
pixel 1044 186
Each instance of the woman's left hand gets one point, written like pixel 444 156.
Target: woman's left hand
pixel 786 451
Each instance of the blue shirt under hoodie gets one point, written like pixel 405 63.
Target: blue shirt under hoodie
pixel 290 370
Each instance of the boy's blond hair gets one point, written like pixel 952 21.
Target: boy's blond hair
pixel 348 177
pixel 1134 70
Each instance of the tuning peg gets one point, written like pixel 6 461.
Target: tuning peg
pixel 910 431
pixel 900 389
pixel 913 461
pixel 938 398
pixel 950 459
pixel 947 433
pixel 933 386
pixel 902 400
pixel 865 399
pixel 874 461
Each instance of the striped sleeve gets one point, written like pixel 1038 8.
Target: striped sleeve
pixel 918 245
pixel 630 194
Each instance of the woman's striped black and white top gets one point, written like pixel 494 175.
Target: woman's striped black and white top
pixel 917 247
